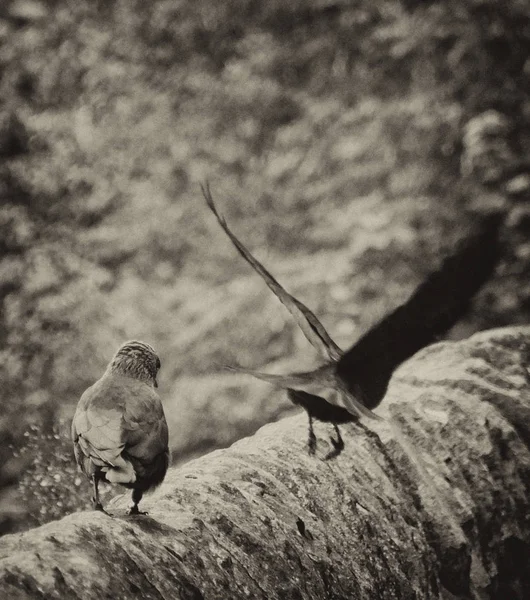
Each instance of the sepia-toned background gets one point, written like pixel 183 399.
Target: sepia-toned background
pixel 345 142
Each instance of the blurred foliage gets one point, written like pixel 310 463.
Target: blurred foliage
pixel 344 141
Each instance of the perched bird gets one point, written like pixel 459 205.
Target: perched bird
pixel 350 384
pixel 119 429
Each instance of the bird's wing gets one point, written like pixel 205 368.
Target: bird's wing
pixel 312 328
pixel 435 307
pixel 119 414
pixel 145 430
pixel 320 385
pixel 437 304
pixel 97 429
pixel 300 381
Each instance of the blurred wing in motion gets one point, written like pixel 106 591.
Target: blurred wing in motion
pixel 437 304
pixel 350 384
pixel 312 328
pixel 300 381
pixel 317 391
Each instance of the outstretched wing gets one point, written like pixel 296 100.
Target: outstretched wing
pixel 315 388
pixel 312 328
pixel 434 308
pixel 365 370
pixel 300 381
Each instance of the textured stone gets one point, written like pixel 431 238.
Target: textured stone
pixel 433 502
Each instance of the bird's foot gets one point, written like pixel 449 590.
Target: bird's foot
pixel 311 444
pixel 134 511
pixel 338 447
pixel 311 439
pixel 99 507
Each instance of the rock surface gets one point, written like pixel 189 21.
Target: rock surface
pixel 432 502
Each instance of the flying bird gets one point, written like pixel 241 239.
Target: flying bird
pixel 119 429
pixel 350 384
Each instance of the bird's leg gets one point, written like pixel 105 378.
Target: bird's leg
pixel 312 438
pixel 338 444
pixel 95 499
pixel 136 497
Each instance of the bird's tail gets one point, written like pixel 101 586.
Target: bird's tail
pixel 111 462
pixel 121 472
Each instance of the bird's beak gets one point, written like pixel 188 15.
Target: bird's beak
pixel 156 383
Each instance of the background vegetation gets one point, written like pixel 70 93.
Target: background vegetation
pixel 345 141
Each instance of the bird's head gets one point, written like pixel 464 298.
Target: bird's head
pixel 138 360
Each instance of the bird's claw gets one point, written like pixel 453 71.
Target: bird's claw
pixel 134 511
pixel 99 507
pixel 338 447
pixel 311 444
